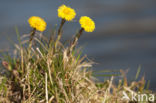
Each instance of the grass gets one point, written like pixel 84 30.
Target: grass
pixel 45 71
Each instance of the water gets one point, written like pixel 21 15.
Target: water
pixel 124 38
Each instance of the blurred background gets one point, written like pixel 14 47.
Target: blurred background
pixel 125 35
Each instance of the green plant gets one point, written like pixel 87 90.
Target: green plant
pixel 44 71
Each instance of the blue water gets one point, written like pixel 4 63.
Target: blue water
pixel 125 35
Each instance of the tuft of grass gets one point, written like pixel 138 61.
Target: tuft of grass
pixel 45 71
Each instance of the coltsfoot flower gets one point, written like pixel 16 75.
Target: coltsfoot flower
pixel 66 13
pixel 87 24
pixel 37 23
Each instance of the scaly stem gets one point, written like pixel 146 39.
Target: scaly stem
pixel 30 40
pixel 60 31
pixel 74 42
pixel 32 35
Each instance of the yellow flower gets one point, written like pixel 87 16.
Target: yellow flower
pixel 37 23
pixel 87 24
pixel 66 13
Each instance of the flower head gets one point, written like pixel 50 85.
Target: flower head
pixel 87 24
pixel 37 23
pixel 66 13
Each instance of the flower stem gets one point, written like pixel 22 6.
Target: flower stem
pixel 60 28
pixel 60 31
pixel 32 35
pixel 30 40
pixel 76 38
